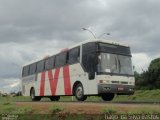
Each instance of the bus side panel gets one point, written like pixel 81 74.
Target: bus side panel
pixel 92 86
pixel 78 74
pixel 60 83
pixel 47 88
pixel 27 84
pixel 43 84
pixel 74 73
pixel 38 84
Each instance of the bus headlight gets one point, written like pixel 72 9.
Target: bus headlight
pixel 104 81
pixel 132 83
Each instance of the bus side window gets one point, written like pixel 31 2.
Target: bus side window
pixel 49 63
pixel 40 66
pixel 89 61
pixel 61 59
pixel 73 55
pixel 32 68
pixel 25 71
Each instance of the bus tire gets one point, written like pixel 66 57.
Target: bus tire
pixel 54 98
pixel 33 97
pixel 107 96
pixel 79 92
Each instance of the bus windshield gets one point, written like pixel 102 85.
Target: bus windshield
pixel 113 63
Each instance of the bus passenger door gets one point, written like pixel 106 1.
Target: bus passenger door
pixel 92 85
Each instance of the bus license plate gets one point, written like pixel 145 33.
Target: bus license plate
pixel 120 88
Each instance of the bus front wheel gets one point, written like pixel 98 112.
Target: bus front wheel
pixel 107 96
pixel 33 97
pixel 79 93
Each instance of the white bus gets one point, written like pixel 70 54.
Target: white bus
pixel 91 68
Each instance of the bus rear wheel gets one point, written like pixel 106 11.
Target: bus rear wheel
pixel 33 97
pixel 79 93
pixel 54 98
pixel 107 96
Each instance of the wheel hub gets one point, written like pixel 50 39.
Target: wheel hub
pixel 79 92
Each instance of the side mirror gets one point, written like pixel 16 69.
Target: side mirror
pixel 133 67
pixel 91 75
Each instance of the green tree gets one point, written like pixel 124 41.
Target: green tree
pixel 154 73
pixel 149 79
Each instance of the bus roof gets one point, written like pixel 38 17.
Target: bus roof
pixel 100 40
pixel 79 44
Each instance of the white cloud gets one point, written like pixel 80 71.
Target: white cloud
pixel 32 29
pixel 17 83
pixel 141 61
pixel 10 84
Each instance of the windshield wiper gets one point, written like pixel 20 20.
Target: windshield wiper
pixel 116 63
pixel 119 66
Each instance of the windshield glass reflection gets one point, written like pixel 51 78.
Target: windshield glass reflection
pixel 112 63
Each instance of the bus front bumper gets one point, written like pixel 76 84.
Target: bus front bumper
pixel 116 88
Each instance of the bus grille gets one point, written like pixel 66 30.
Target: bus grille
pixel 119 82
pixel 115 81
pixel 124 82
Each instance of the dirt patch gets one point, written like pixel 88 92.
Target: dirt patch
pixel 82 108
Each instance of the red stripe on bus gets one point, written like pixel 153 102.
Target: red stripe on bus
pixel 42 84
pixel 53 81
pixel 67 82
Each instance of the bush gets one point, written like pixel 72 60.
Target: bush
pixel 109 110
pixel 149 79
pixel 56 109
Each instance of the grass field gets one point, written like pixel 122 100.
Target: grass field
pixel 55 110
pixel 30 112
pixel 140 95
